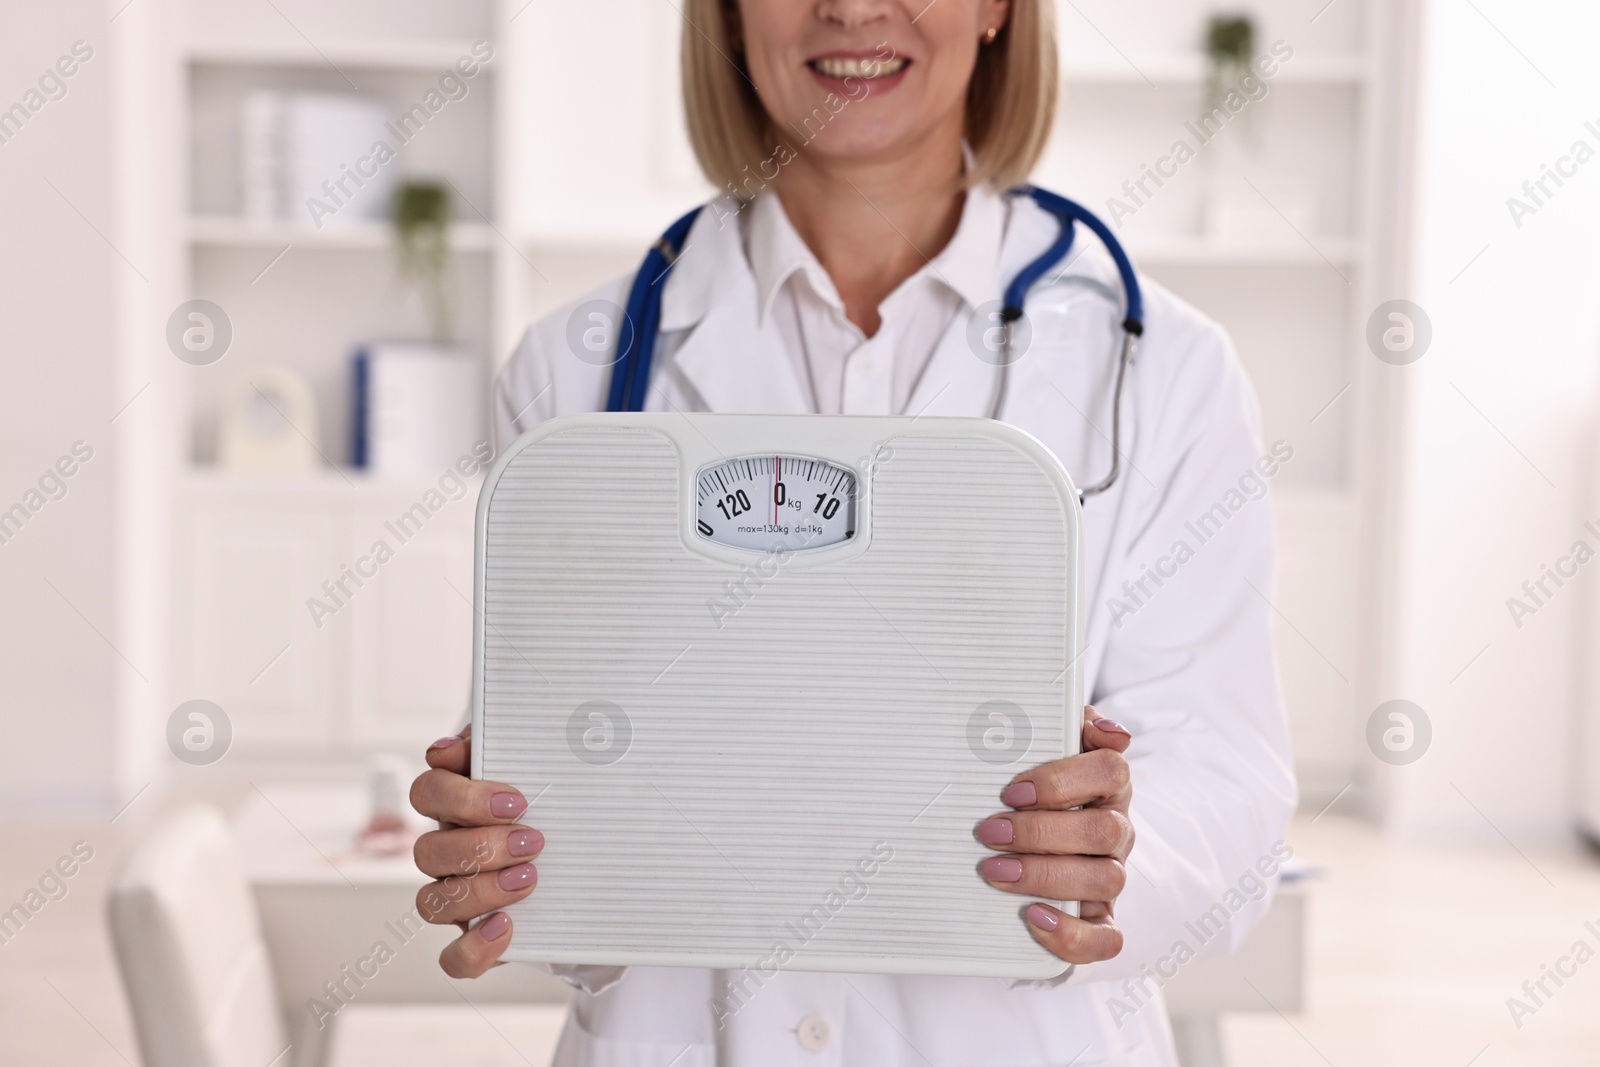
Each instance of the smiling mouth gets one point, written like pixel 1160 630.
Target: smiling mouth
pixel 864 67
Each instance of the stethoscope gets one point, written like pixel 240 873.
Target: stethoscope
pixel 630 373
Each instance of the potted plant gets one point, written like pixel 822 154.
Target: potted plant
pixel 417 404
pixel 421 217
pixel 1230 47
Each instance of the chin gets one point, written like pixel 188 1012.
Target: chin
pixel 861 142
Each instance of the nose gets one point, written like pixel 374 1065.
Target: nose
pixel 854 14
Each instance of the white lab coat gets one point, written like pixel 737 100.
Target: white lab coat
pixel 1182 656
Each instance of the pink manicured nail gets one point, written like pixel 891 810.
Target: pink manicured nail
pixel 519 877
pixel 496 925
pixel 1002 869
pixel 443 742
pixel 507 805
pixel 524 842
pixel 995 831
pixel 1042 917
pixel 1111 727
pixel 1019 794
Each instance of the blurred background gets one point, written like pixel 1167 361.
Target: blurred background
pixel 240 348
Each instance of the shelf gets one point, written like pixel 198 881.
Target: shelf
pixel 217 483
pixel 1191 70
pixel 1315 497
pixel 1202 251
pixel 217 231
pixel 430 56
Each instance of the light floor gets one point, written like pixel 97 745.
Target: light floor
pixel 1414 953
pixel 1415 950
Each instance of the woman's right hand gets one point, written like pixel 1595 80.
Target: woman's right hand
pixel 480 856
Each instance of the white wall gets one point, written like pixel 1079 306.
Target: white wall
pixel 1495 418
pixel 81 647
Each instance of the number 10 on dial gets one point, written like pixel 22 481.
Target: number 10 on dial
pixel 769 503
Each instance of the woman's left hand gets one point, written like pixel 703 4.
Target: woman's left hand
pixel 1061 854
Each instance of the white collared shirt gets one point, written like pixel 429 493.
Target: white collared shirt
pixel 845 371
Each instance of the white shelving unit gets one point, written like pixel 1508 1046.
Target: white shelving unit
pixel 388 669
pixel 381 663
pixel 1293 292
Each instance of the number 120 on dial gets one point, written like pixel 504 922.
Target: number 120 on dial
pixel 769 503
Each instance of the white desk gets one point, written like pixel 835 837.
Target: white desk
pixel 1270 964
pixel 302 835
pixel 324 909
pixel 495 1035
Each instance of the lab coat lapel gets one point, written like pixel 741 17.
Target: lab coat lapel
pixel 733 362
pixel 956 381
pixel 738 366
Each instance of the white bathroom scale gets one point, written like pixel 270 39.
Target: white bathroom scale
pixel 760 677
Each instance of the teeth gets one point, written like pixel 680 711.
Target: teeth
pixel 868 67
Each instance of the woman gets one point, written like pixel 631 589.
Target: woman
pixel 861 247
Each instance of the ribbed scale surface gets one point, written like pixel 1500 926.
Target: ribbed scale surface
pixel 826 715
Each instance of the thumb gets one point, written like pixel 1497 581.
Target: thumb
pixel 1101 732
pixel 452 754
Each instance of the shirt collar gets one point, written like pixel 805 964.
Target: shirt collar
pixel 967 265
pixel 777 252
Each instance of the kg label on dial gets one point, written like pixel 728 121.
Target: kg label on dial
pixel 776 503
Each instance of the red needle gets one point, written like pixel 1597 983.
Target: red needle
pixel 777 476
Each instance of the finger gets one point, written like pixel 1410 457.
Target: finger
pixel 479 949
pixel 465 851
pixel 1088 939
pixel 1101 732
pixel 1097 777
pixel 452 753
pixel 1056 877
pixel 449 797
pixel 463 898
pixel 1085 832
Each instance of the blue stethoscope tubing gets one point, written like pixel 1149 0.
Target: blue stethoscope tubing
pixel 636 339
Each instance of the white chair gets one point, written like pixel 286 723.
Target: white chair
pixel 190 950
pixel 204 994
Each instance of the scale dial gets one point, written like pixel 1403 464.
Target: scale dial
pixel 776 503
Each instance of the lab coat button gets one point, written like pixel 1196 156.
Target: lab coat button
pixel 813 1033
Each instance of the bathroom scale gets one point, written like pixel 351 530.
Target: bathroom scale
pixel 760 677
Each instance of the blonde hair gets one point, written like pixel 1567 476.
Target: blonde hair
pixel 1011 99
